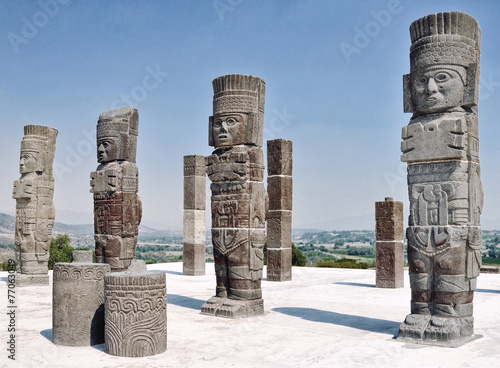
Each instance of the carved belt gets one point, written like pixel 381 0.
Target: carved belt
pixel 429 240
pixel 228 240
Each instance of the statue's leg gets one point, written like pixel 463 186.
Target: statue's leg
pixel 421 282
pixel 452 318
pixel 221 275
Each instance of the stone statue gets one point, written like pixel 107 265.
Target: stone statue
pixel 117 207
pixel 239 198
pixel 441 147
pixel 35 211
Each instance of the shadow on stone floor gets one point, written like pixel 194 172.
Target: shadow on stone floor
pixel 47 334
pixel 354 284
pixel 185 301
pixel 358 322
pixel 166 271
pixel 488 291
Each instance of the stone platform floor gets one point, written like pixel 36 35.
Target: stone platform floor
pixel 323 318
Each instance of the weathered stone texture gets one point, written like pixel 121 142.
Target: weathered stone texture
pixel 389 220
pixel 389 245
pixel 194 225
pixel 135 313
pixel 279 157
pixel 280 190
pixel 238 203
pixel 82 256
pixel 117 207
pixel 441 147
pixel 279 219
pixel 279 229
pixel 78 303
pixel 279 264
pixel 390 264
pixel 35 211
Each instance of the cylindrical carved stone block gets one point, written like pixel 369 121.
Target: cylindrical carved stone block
pixel 389 246
pixel 135 314
pixel 78 303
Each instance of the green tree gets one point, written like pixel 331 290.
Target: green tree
pixel 60 250
pixel 298 258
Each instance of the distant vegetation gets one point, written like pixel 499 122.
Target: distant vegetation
pixel 343 263
pixel 60 250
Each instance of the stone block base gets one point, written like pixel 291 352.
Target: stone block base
pixel 193 259
pixel 232 308
pixel 31 280
pixel 437 330
pixel 390 264
pixel 279 264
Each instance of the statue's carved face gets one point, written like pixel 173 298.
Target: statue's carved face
pixel 229 129
pixel 107 150
pixel 436 90
pixel 27 163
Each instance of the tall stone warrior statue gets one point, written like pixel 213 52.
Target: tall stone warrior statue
pixel 35 211
pixel 117 207
pixel 441 147
pixel 239 198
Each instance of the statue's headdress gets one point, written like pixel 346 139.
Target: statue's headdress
pixel 451 40
pixel 122 125
pixel 40 141
pixel 239 93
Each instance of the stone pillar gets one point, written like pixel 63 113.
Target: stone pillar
pixel 279 224
pixel 135 312
pixel 389 245
pixel 117 207
pixel 78 301
pixel 236 169
pixel 193 255
pixel 35 211
pixel 441 147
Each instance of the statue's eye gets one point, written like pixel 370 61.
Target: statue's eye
pixel 218 123
pixel 441 77
pixel 231 121
pixel 421 81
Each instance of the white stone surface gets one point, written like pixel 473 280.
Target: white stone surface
pixel 323 318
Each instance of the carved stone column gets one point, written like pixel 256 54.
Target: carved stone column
pixel 236 169
pixel 35 211
pixel 389 245
pixel 279 224
pixel 117 207
pixel 78 301
pixel 135 312
pixel 193 255
pixel 441 147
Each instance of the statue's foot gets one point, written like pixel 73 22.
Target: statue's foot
pixel 414 326
pixel 233 308
pixel 211 306
pixel 449 328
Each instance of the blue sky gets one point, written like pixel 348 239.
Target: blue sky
pixel 333 72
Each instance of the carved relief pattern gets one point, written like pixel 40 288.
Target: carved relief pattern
pixel 441 147
pixel 33 192
pixel 135 314
pixel 115 183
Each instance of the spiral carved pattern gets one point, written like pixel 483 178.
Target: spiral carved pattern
pixel 135 314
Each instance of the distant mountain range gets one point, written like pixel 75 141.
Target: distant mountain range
pixel 8 224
